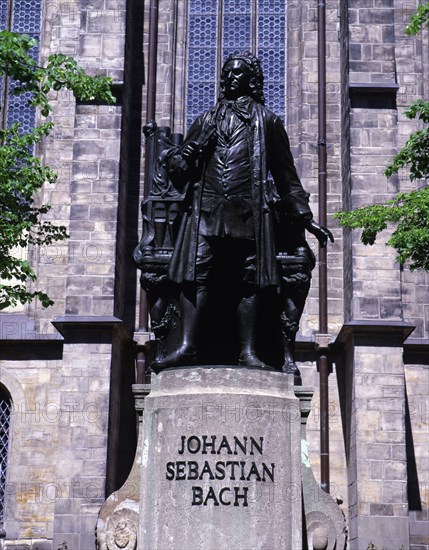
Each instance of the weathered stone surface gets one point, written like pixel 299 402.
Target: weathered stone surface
pixel 221 461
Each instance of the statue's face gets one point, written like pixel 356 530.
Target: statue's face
pixel 236 79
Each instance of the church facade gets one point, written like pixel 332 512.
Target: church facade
pixel 67 418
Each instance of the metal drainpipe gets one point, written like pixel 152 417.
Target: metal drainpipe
pixel 150 116
pixel 322 340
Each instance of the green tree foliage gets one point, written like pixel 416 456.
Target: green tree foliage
pixel 22 174
pixel 415 153
pixel 418 19
pixel 409 212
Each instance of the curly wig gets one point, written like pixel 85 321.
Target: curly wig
pixel 256 76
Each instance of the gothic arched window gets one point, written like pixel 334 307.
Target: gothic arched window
pixel 219 27
pixel 5 414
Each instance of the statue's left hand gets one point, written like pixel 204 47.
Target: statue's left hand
pixel 321 233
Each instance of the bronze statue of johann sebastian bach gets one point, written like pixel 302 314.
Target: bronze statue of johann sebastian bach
pixel 235 215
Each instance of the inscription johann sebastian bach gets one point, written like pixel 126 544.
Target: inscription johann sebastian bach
pixel 211 469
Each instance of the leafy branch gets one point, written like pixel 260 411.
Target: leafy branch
pixel 418 19
pixel 415 152
pixel 60 72
pixel 410 213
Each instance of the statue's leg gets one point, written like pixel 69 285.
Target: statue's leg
pixel 289 326
pixel 290 317
pixel 193 299
pixel 192 305
pixel 289 335
pixel 247 315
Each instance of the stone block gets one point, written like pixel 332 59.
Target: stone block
pixel 389 437
pixel 381 509
pixel 393 391
pixel 90 46
pixel 366 33
pixel 118 6
pixel 377 16
pixel 369 491
pixel 376 469
pixel 109 122
pixel 66 523
pixel 392 421
pixel 421 515
pixel 88 150
pixel 388 34
pixel 395 470
pixel 398 451
pixel 368 308
pixel 358 4
pixel 391 308
pixel 378 451
pixel 394 492
pixel 386 404
pixel 368 421
pixel 79 211
pixel 379 379
pixel 109 22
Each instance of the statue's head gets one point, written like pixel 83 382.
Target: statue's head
pixel 242 75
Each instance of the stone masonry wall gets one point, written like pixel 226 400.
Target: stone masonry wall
pixel 58 440
pixel 380 451
pixel 32 482
pixel 56 481
pixel 80 465
pixel 376 276
pixel 376 446
pixel 84 149
pixel 412 56
pixel 373 143
pixel 412 59
pixel 380 52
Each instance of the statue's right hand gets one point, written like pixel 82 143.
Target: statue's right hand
pixel 190 151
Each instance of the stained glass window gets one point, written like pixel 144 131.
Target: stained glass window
pixel 5 413
pixel 220 27
pixel 271 51
pixel 237 27
pixel 203 33
pixel 23 16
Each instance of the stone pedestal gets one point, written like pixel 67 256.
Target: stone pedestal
pixel 221 461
